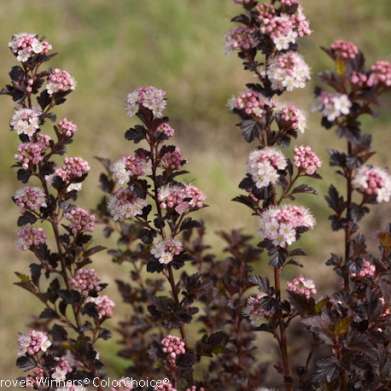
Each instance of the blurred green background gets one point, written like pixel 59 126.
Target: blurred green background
pixel 111 47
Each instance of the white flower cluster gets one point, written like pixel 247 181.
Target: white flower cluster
pixel 280 224
pixel 263 166
pixel 288 71
pixel 373 181
pixel 124 204
pixel 164 251
pixel 25 121
pixel 333 105
pixel 149 97
pixel 26 45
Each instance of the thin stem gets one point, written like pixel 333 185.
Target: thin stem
pixel 170 274
pixel 283 343
pixel 348 227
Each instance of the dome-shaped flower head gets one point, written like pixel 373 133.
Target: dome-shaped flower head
pixel 281 225
pixel 288 71
pixel 73 169
pixel 30 198
pixel 127 167
pixel 63 367
pixel 291 118
pixel 182 199
pixel 125 204
pixel 85 281
pixel 289 3
pixel 373 181
pixel 240 38
pixel 301 286
pixel 165 251
pixel 25 121
pixel 173 160
pixel 264 165
pixel 150 98
pixel 344 50
pixel 80 220
pixel 173 347
pixel 166 129
pixel 67 128
pixel 380 75
pixel 60 81
pixel 252 104
pixel 33 343
pixel 256 309
pixel 31 154
pixel 104 306
pixel 367 270
pixel 29 237
pixel 25 46
pixel 165 386
pixel 333 105
pixel 306 160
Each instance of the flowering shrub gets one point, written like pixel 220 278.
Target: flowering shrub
pixel 52 227
pixel 195 315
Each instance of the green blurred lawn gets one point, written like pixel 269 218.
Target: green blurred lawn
pixel 114 46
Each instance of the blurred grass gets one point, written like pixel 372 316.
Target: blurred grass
pixel 114 46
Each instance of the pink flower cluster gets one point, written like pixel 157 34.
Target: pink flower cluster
pixel 380 74
pixel 104 306
pixel 127 167
pixel 333 105
pixel 302 287
pixel 30 198
pixel 283 29
pixel 67 128
pixel 60 81
pixel 25 121
pixel 173 346
pixel 182 199
pixel 263 166
pixel 32 343
pixel 165 250
pixel 373 181
pixel 292 118
pixel 368 270
pixel 306 160
pixel 25 46
pixel 166 386
pixel 63 367
pixel 166 129
pixel 73 169
pixel 288 71
pixel 30 237
pixel 289 3
pixel 125 204
pixel 280 224
pixel 254 308
pixel 32 153
pixel 240 38
pixel 344 50
pixel 252 104
pixel 150 98
pixel 85 281
pixel 173 160
pixel 80 219
pixel 194 388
